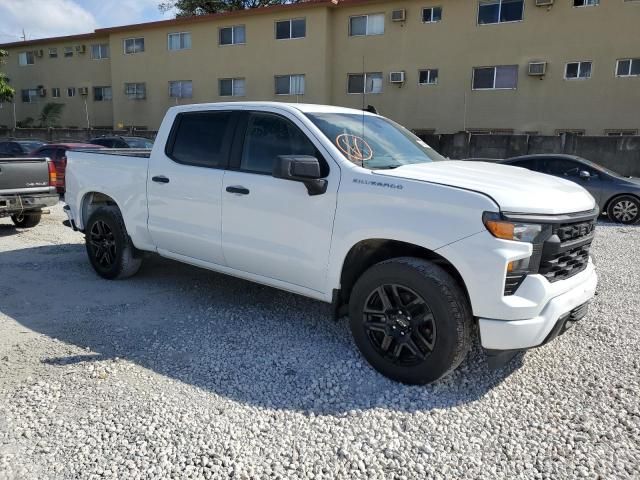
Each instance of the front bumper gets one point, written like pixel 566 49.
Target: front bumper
pixel 570 306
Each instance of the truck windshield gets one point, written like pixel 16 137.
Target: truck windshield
pixel 373 142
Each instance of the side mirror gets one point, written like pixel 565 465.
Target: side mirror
pixel 584 174
pixel 301 168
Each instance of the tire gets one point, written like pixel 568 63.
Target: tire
pixel 440 328
pixel 27 219
pixel 110 251
pixel 624 209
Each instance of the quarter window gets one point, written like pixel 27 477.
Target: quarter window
pixel 181 89
pixel 68 52
pixel 577 70
pixel 290 85
pixel 100 51
pixel 26 58
pixel 366 25
pixel 202 139
pixel 102 94
pixel 428 77
pixel 269 136
pixel 629 67
pixel 30 95
pixel 431 14
pixel 364 83
pixel 294 28
pixel 133 45
pixel 179 41
pixel 232 87
pixel 233 35
pixel 500 11
pixel 53 53
pixel 495 78
pixel 136 91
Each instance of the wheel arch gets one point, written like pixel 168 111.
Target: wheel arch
pixel 91 201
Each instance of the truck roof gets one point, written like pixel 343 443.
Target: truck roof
pixel 301 107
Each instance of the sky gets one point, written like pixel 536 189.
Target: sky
pixel 50 18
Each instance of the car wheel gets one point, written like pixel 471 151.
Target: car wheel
pixel 410 319
pixel 26 219
pixel 624 209
pixel 109 247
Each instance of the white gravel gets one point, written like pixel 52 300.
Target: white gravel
pixel 183 373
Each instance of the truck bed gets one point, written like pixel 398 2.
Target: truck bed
pixel 24 175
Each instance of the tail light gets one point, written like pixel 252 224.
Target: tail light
pixel 53 176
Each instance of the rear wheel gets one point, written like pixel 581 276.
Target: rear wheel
pixel 27 219
pixel 410 320
pixel 624 209
pixel 109 247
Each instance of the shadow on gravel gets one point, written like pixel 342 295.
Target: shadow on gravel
pixel 6 230
pixel 249 343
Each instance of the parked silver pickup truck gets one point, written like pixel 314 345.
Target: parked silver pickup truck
pixel 27 186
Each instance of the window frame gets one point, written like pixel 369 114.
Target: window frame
pixel 29 95
pixel 27 55
pixel 72 92
pixel 180 82
pixel 55 90
pixel 364 80
pixel 367 15
pixel 429 70
pixel 229 140
pixel 134 52
pixel 102 88
pixel 67 52
pixel 290 75
pixel 180 41
pixel 233 35
pixel 53 52
pixel 432 9
pixel 101 47
pixel 290 21
pixel 585 4
pixel 233 81
pixel 579 62
pixel 499 12
pixel 631 62
pixel 136 97
pixel 495 75
pixel 621 132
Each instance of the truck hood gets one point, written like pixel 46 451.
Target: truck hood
pixel 514 189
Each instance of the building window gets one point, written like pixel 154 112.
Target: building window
pixel 53 53
pixel 366 25
pixel 181 89
pixel 71 91
pixel 233 35
pixel 364 83
pixel 102 94
pixel 290 85
pixel 68 52
pixel 26 58
pixel 136 91
pixel 495 78
pixel 428 77
pixel 30 95
pixel 232 87
pixel 179 41
pixel 577 70
pixel 133 45
pixel 294 28
pixel 55 92
pixel 570 131
pixel 621 133
pixel 100 51
pixel 586 3
pixel 628 67
pixel 431 14
pixel 500 11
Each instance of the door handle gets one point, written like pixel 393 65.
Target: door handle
pixel 160 179
pixel 239 190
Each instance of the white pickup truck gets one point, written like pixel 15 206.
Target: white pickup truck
pixel 348 207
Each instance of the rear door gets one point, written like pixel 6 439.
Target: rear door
pixel 184 185
pixel 273 227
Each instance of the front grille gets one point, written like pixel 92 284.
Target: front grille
pixel 566 252
pixel 566 264
pixel 575 230
pixel 512 282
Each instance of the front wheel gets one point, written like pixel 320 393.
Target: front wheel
pixel 624 209
pixel 410 320
pixel 27 219
pixel 109 247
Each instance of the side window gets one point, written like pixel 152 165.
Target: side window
pixel 558 166
pixel 201 139
pixel 14 148
pixel 47 152
pixel 269 136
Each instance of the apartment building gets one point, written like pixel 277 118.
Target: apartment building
pixel 523 66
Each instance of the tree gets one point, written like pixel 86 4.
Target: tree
pixel 50 115
pixel 189 8
pixel 6 92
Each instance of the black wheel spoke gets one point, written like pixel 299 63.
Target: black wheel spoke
pixel 386 343
pixel 396 297
pixel 376 326
pixel 414 349
pixel 384 298
pixel 397 351
pixel 423 340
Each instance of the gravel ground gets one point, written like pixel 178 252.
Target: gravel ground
pixel 183 373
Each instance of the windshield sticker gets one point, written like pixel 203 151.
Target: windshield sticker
pixel 356 149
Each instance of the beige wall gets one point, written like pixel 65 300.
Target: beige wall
pixel 454 46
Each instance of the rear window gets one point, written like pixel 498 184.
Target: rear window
pixel 201 139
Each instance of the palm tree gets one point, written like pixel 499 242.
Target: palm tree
pixel 51 113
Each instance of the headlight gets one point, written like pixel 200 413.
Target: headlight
pixel 520 232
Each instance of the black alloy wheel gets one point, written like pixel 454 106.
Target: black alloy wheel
pixel 102 243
